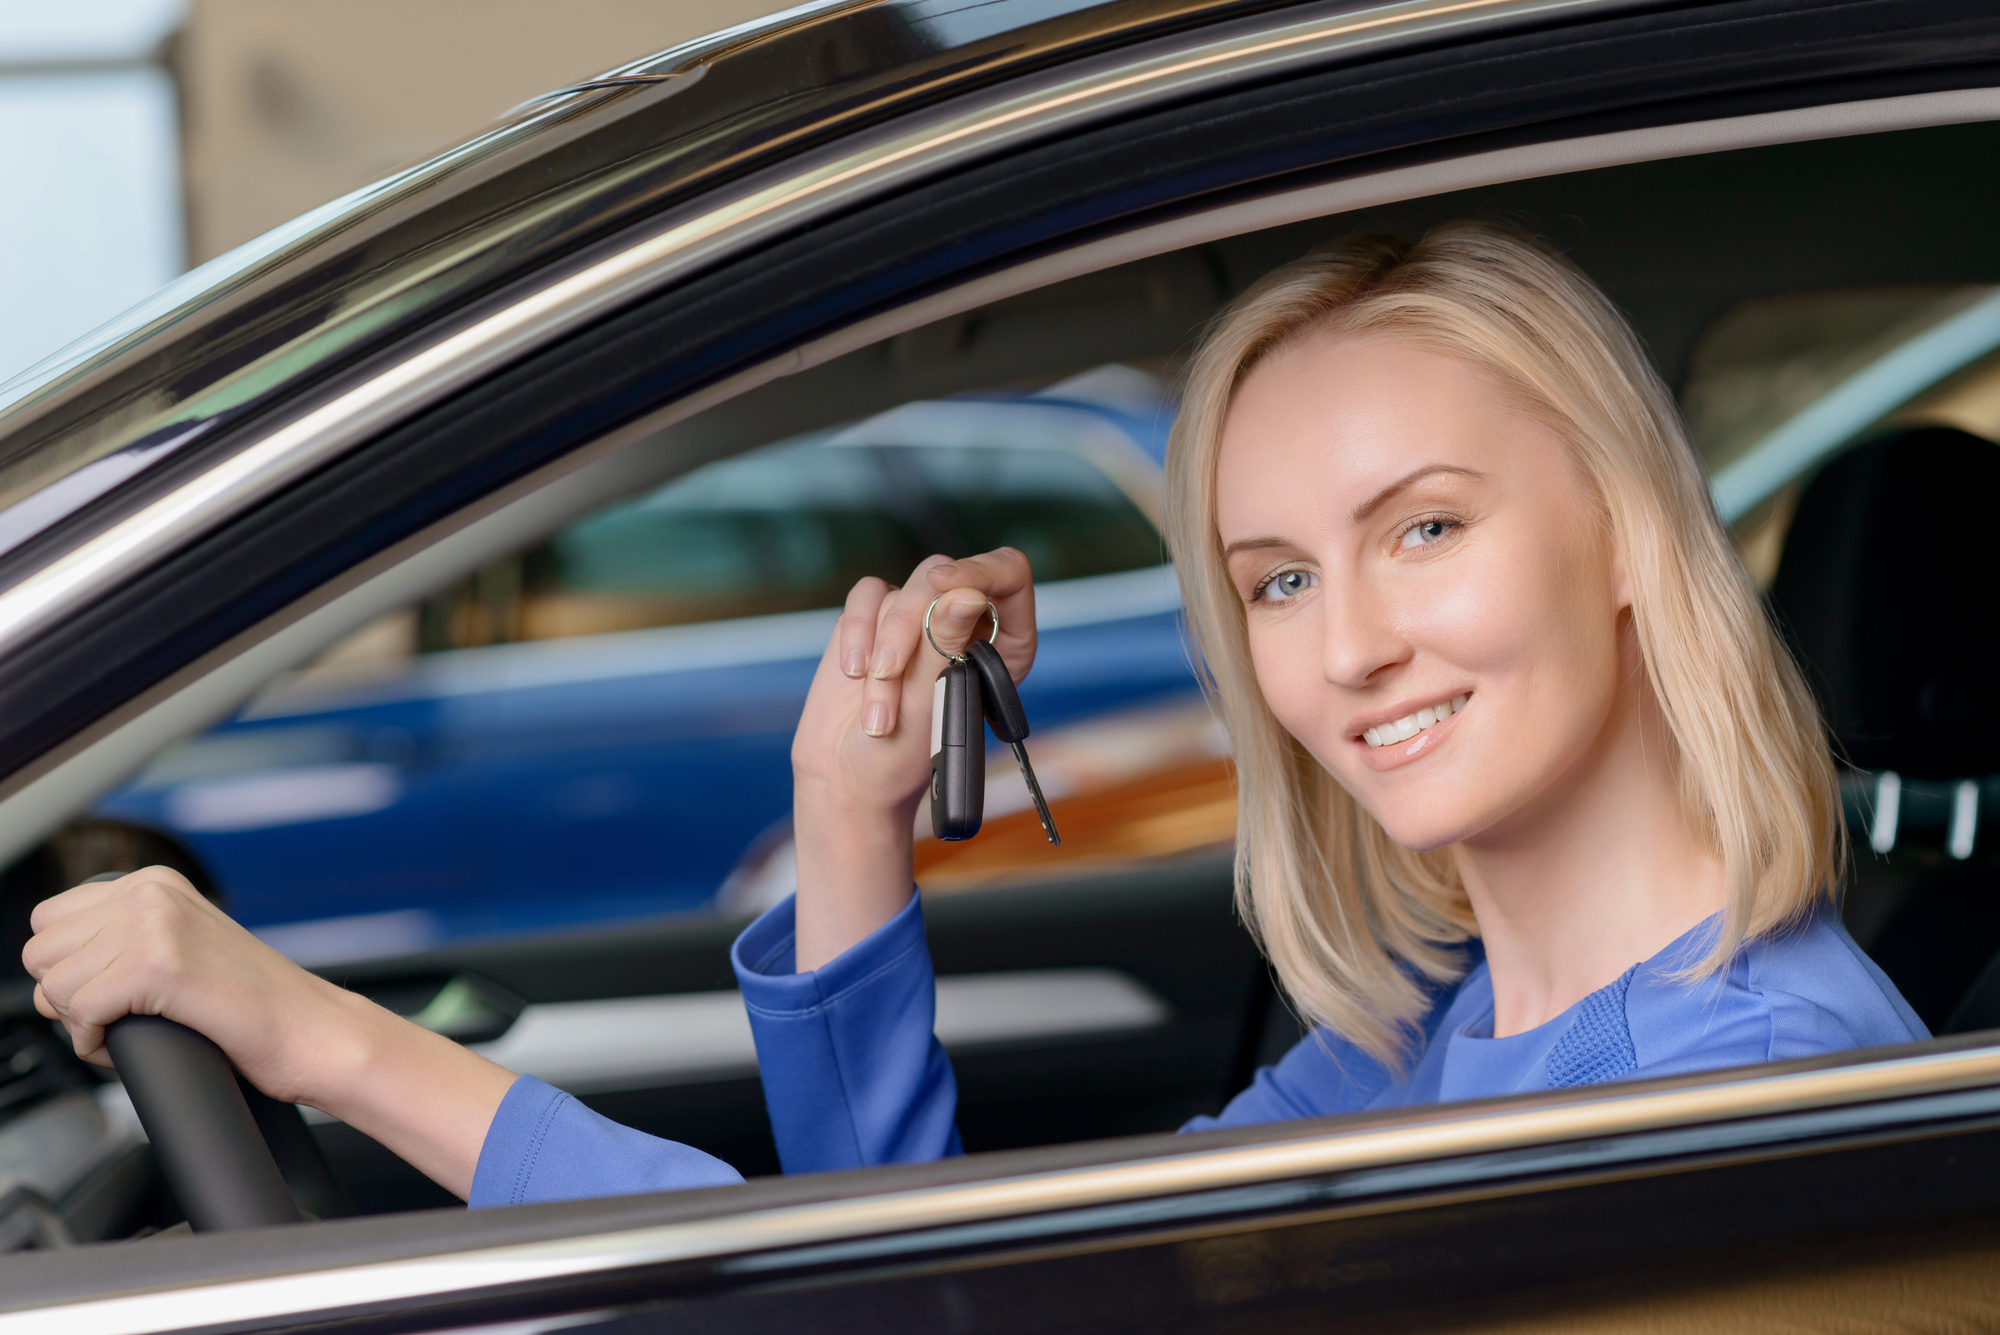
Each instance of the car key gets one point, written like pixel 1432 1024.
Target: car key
pixel 1009 721
pixel 958 767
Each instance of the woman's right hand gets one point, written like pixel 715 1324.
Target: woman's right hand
pixel 861 757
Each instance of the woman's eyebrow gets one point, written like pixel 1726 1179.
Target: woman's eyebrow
pixel 1252 545
pixel 1369 507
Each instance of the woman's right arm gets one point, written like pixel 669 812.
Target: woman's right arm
pixel 861 759
pixel 838 980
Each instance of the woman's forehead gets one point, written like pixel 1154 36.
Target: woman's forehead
pixel 1330 423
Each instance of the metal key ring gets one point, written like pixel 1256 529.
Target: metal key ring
pixel 991 610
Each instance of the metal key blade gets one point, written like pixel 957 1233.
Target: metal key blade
pixel 1035 791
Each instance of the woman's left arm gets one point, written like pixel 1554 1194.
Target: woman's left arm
pixel 148 944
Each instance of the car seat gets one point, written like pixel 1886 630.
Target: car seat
pixel 1882 590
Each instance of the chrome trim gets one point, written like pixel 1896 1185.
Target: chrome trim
pixel 589 86
pixel 323 1293
pixel 291 450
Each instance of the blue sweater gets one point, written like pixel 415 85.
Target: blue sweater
pixel 853 1076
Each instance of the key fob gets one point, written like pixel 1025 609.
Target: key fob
pixel 958 767
pixel 1009 722
pixel 1000 700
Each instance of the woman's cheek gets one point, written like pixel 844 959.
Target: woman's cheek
pixel 1305 706
pixel 1473 617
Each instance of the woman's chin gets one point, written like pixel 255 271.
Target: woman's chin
pixel 1426 831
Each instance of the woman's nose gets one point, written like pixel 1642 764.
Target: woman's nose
pixel 1361 640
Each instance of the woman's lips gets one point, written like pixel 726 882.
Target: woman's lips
pixel 1401 752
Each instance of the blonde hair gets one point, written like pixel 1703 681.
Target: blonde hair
pixel 1353 922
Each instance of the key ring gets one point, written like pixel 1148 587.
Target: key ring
pixel 991 611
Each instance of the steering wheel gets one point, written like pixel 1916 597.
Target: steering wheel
pixel 208 1145
pixel 232 1155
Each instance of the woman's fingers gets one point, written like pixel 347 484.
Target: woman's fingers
pixel 899 633
pixel 881 689
pixel 1000 573
pixel 881 633
pixel 855 635
pixel 961 616
pixel 902 624
pixel 74 991
pixel 72 902
pixel 1004 577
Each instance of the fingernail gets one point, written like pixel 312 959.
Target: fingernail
pixel 876 721
pixel 964 611
pixel 948 569
pixel 856 663
pixel 884 664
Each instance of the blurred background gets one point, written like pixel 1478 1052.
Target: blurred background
pixel 140 138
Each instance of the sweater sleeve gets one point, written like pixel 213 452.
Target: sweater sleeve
pixel 853 1075
pixel 545 1146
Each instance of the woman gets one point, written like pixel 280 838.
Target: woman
pixel 1530 795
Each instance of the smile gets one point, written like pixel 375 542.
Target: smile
pixel 1408 726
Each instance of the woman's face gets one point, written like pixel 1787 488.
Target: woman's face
pixel 1434 608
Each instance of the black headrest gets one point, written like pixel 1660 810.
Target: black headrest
pixel 1887 591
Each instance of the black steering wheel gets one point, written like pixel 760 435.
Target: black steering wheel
pixel 233 1156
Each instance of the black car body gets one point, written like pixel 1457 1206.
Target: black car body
pixel 850 205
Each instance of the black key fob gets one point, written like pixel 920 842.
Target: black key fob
pixel 958 767
pixel 1009 721
pixel 1000 700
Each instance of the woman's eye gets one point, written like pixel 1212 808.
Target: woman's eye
pixel 1426 533
pixel 1287 584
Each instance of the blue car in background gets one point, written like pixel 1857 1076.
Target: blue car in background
pixel 598 728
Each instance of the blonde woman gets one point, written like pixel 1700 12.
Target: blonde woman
pixel 1530 795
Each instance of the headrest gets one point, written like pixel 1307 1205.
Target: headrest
pixel 1886 591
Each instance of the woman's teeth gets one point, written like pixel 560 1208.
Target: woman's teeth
pixel 1408 726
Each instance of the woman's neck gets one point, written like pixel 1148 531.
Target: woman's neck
pixel 1597 874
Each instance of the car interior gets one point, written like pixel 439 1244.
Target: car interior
pixel 1756 277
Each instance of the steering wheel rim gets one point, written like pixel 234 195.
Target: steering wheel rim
pixel 215 1160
